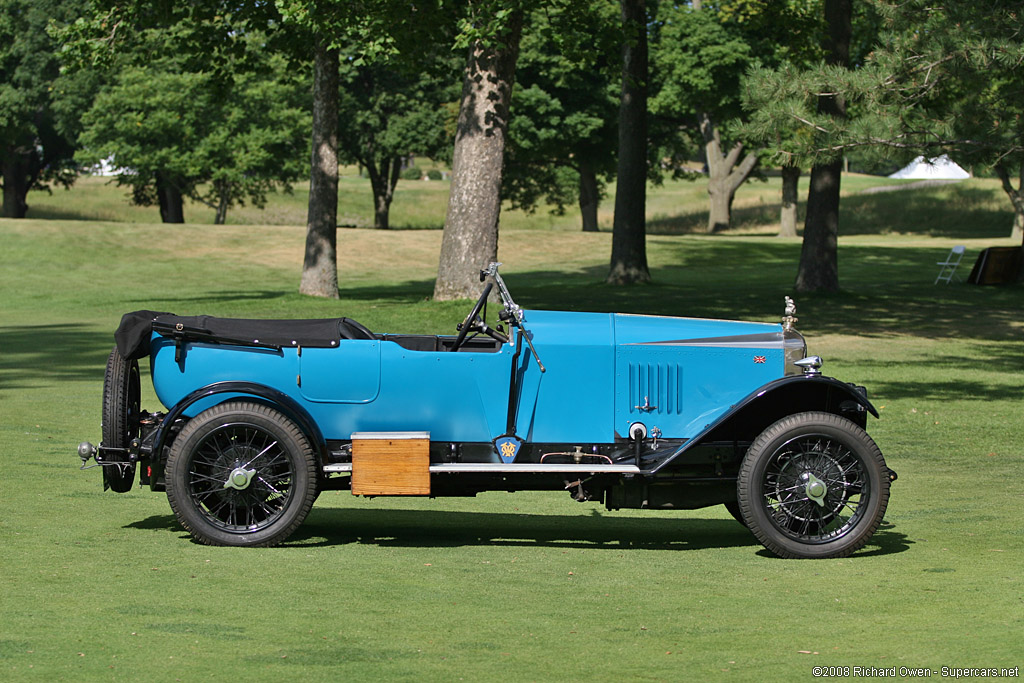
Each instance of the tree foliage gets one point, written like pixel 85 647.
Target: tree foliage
pixel 701 54
pixel 564 108
pixel 941 78
pixel 38 106
pixel 388 113
pixel 174 132
pixel 951 81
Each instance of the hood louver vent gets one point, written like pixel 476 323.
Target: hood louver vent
pixel 656 388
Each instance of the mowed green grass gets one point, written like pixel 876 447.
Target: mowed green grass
pixel 527 586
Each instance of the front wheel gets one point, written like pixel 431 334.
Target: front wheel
pixel 813 485
pixel 241 474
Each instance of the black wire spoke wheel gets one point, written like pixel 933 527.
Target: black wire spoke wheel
pixel 241 474
pixel 813 488
pixel 121 407
pixel 813 485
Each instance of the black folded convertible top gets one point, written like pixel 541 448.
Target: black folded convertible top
pixel 136 328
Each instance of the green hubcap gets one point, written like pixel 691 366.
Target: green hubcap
pixel 816 489
pixel 239 478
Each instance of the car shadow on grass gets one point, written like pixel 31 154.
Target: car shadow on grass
pixel 432 528
pixel 418 528
pixel 445 529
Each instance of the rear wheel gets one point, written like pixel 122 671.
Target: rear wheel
pixel 241 474
pixel 121 398
pixel 813 485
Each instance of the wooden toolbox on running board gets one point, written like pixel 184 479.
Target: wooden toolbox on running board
pixel 391 463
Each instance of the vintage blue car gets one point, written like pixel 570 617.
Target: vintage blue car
pixel 630 410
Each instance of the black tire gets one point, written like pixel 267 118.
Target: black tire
pixel 734 509
pixel 121 397
pixel 813 485
pixel 241 474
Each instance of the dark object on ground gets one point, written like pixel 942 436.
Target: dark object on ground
pixel 996 266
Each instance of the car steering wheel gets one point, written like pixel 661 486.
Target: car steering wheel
pixel 473 315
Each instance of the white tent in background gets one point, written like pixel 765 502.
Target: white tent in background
pixel 940 168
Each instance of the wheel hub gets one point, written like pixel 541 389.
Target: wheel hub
pixel 815 488
pixel 239 479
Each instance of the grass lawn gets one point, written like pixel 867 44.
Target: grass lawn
pixel 976 207
pixel 528 586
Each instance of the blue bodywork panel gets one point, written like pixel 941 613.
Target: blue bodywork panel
pixel 602 373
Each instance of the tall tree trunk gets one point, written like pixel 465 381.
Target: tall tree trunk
pixel 589 197
pixel 15 185
pixel 818 263
pixel 172 204
pixel 470 239
pixel 629 246
pixel 320 264
pixel 790 195
pixel 819 258
pixel 726 172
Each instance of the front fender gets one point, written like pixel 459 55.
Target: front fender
pixel 776 400
pixel 823 393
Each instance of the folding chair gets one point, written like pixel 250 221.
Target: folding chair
pixel 948 270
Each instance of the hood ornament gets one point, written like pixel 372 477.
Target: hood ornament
pixel 810 365
pixel 789 317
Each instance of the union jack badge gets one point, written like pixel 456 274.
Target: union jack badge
pixel 508 448
pixel 759 359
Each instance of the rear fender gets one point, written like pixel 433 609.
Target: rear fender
pixel 777 399
pixel 272 397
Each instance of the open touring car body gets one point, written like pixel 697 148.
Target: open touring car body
pixel 629 410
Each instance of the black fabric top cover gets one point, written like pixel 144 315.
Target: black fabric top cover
pixel 136 328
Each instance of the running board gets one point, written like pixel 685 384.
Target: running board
pixel 502 468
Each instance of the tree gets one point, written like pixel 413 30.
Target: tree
pixel 727 170
pixel 790 198
pixel 816 98
pixel 470 239
pixel 308 33
pixel 949 81
pixel 564 109
pixel 371 32
pixel 700 58
pixel 940 79
pixel 819 262
pixel 629 248
pixel 177 133
pixel 320 259
pixel 37 105
pixel 388 113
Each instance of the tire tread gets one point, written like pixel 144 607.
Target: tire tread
pixel 787 548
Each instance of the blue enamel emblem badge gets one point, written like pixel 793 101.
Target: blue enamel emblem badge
pixel 508 448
